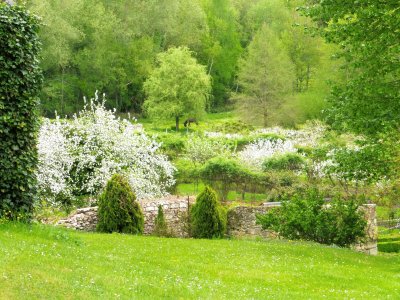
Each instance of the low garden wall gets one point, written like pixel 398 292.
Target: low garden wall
pixel 241 220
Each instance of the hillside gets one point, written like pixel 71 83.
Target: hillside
pixel 42 262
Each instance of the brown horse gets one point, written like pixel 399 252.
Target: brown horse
pixel 189 121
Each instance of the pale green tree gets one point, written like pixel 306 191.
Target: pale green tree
pixel 265 77
pixel 177 87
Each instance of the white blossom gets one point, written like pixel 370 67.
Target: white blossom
pixel 81 154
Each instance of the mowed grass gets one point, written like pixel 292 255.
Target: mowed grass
pixel 44 262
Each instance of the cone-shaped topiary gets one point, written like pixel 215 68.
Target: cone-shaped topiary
pixel 208 217
pixel 118 210
pixel 160 225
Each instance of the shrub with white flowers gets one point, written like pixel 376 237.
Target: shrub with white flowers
pixel 78 156
pixel 254 154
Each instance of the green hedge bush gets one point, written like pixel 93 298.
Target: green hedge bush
pixel 288 161
pixel 118 209
pixel 207 216
pixel 308 217
pixel 20 82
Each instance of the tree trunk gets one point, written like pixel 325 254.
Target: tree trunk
pixel 177 123
pixel 265 118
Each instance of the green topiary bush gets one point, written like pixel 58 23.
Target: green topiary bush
pixel 160 225
pixel 118 209
pixel 307 217
pixel 20 82
pixel 207 216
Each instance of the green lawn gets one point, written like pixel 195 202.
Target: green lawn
pixel 43 262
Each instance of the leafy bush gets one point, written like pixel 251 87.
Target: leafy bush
pixel 160 225
pixel 288 161
pixel 208 217
pixel 20 82
pixel 306 217
pixel 118 209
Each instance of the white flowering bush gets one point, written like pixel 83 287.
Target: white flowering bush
pixel 254 154
pixel 199 149
pixel 78 156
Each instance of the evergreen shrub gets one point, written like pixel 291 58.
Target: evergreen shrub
pixel 160 225
pixel 118 209
pixel 208 217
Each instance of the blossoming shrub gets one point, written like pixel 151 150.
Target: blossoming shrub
pixel 208 217
pixel 256 153
pixel 78 156
pixel 118 210
pixel 306 217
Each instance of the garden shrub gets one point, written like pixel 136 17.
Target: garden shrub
pixel 307 217
pixel 208 217
pixel 20 82
pixel 118 209
pixel 288 161
pixel 78 156
pixel 160 225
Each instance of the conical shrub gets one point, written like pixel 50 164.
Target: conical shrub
pixel 208 217
pixel 118 209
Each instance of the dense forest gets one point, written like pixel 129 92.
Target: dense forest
pixel 112 46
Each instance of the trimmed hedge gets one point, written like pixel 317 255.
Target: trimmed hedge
pixel 20 82
pixel 118 210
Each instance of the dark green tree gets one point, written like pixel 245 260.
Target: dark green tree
pixel 208 217
pixel 20 82
pixel 118 209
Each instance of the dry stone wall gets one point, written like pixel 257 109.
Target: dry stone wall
pixel 241 220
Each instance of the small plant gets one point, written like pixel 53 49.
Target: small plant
pixel 306 217
pixel 160 225
pixel 118 209
pixel 208 217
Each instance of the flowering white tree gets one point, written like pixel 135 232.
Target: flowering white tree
pixel 78 156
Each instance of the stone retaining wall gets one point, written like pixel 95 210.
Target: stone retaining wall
pixel 241 220
pixel 175 212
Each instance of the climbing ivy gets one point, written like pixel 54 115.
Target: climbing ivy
pixel 20 81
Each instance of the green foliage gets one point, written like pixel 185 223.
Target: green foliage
pixel 289 161
pixel 20 82
pixel 308 217
pixel 118 209
pixel 208 217
pixel 160 225
pixel 265 76
pixel 368 100
pixel 178 87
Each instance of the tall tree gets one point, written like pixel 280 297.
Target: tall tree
pixel 178 87
pixel 222 48
pixel 265 76
pixel 368 101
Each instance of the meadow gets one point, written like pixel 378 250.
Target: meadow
pixel 44 262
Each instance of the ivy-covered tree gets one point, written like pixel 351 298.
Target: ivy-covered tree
pixel 20 81
pixel 178 87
